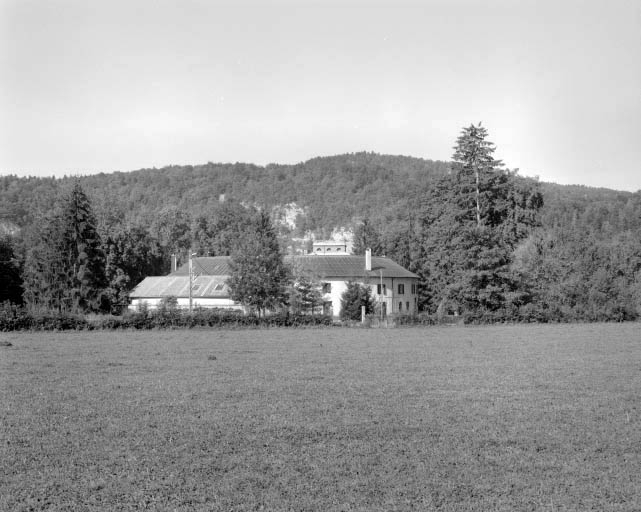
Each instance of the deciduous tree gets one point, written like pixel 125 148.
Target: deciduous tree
pixel 259 275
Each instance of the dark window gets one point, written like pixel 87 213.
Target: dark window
pixel 400 306
pixel 401 289
pixel 327 287
pixel 413 288
pixel 407 305
pixel 378 289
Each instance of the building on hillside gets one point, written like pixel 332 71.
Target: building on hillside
pixel 391 284
pixel 329 248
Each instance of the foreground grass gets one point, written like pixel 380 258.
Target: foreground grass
pixel 481 418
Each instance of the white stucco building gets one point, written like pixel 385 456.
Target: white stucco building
pixel 391 284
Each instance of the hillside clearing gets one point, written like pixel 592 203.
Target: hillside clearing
pixel 461 418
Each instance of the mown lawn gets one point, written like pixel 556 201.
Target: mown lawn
pixel 461 418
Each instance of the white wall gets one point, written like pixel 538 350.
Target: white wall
pixel 183 303
pixel 391 297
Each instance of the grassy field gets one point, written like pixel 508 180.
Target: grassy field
pixel 460 418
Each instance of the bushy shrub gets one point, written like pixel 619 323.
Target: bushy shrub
pixel 16 318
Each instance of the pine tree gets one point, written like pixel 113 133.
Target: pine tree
pixel 353 299
pixel 366 236
pixel 64 268
pixel 471 221
pixel 304 295
pixel 477 182
pixel 10 279
pixel 44 274
pixel 83 253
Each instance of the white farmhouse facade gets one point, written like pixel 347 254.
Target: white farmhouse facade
pixel 391 284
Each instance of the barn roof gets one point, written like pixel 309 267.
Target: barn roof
pixel 178 286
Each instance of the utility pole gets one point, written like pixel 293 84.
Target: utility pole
pixel 191 279
pixel 382 292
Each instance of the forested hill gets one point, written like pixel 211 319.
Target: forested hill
pixel 511 247
pixel 332 191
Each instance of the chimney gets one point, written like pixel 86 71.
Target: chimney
pixel 368 259
pixel 174 263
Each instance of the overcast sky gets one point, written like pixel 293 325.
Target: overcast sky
pixel 89 86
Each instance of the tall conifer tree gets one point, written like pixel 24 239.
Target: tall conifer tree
pixel 64 269
pixel 471 222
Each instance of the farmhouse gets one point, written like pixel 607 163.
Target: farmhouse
pixel 391 284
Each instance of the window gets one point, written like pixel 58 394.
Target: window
pixel 378 289
pixel 318 249
pixel 401 289
pixel 327 287
pixel 400 307
pixel 413 289
pixel 219 287
pixel 407 305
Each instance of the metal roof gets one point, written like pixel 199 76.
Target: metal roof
pixel 206 266
pixel 178 286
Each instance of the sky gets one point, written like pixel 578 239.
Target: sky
pixel 102 86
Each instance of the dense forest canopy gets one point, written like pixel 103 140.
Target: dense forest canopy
pixel 333 191
pixel 558 251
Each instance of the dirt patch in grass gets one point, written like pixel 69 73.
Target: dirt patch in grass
pixel 480 418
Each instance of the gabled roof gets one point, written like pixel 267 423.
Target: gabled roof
pixel 344 266
pixel 348 266
pixel 178 286
pixel 206 266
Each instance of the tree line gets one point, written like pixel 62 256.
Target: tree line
pixel 485 241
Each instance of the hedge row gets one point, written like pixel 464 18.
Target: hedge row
pixel 13 318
